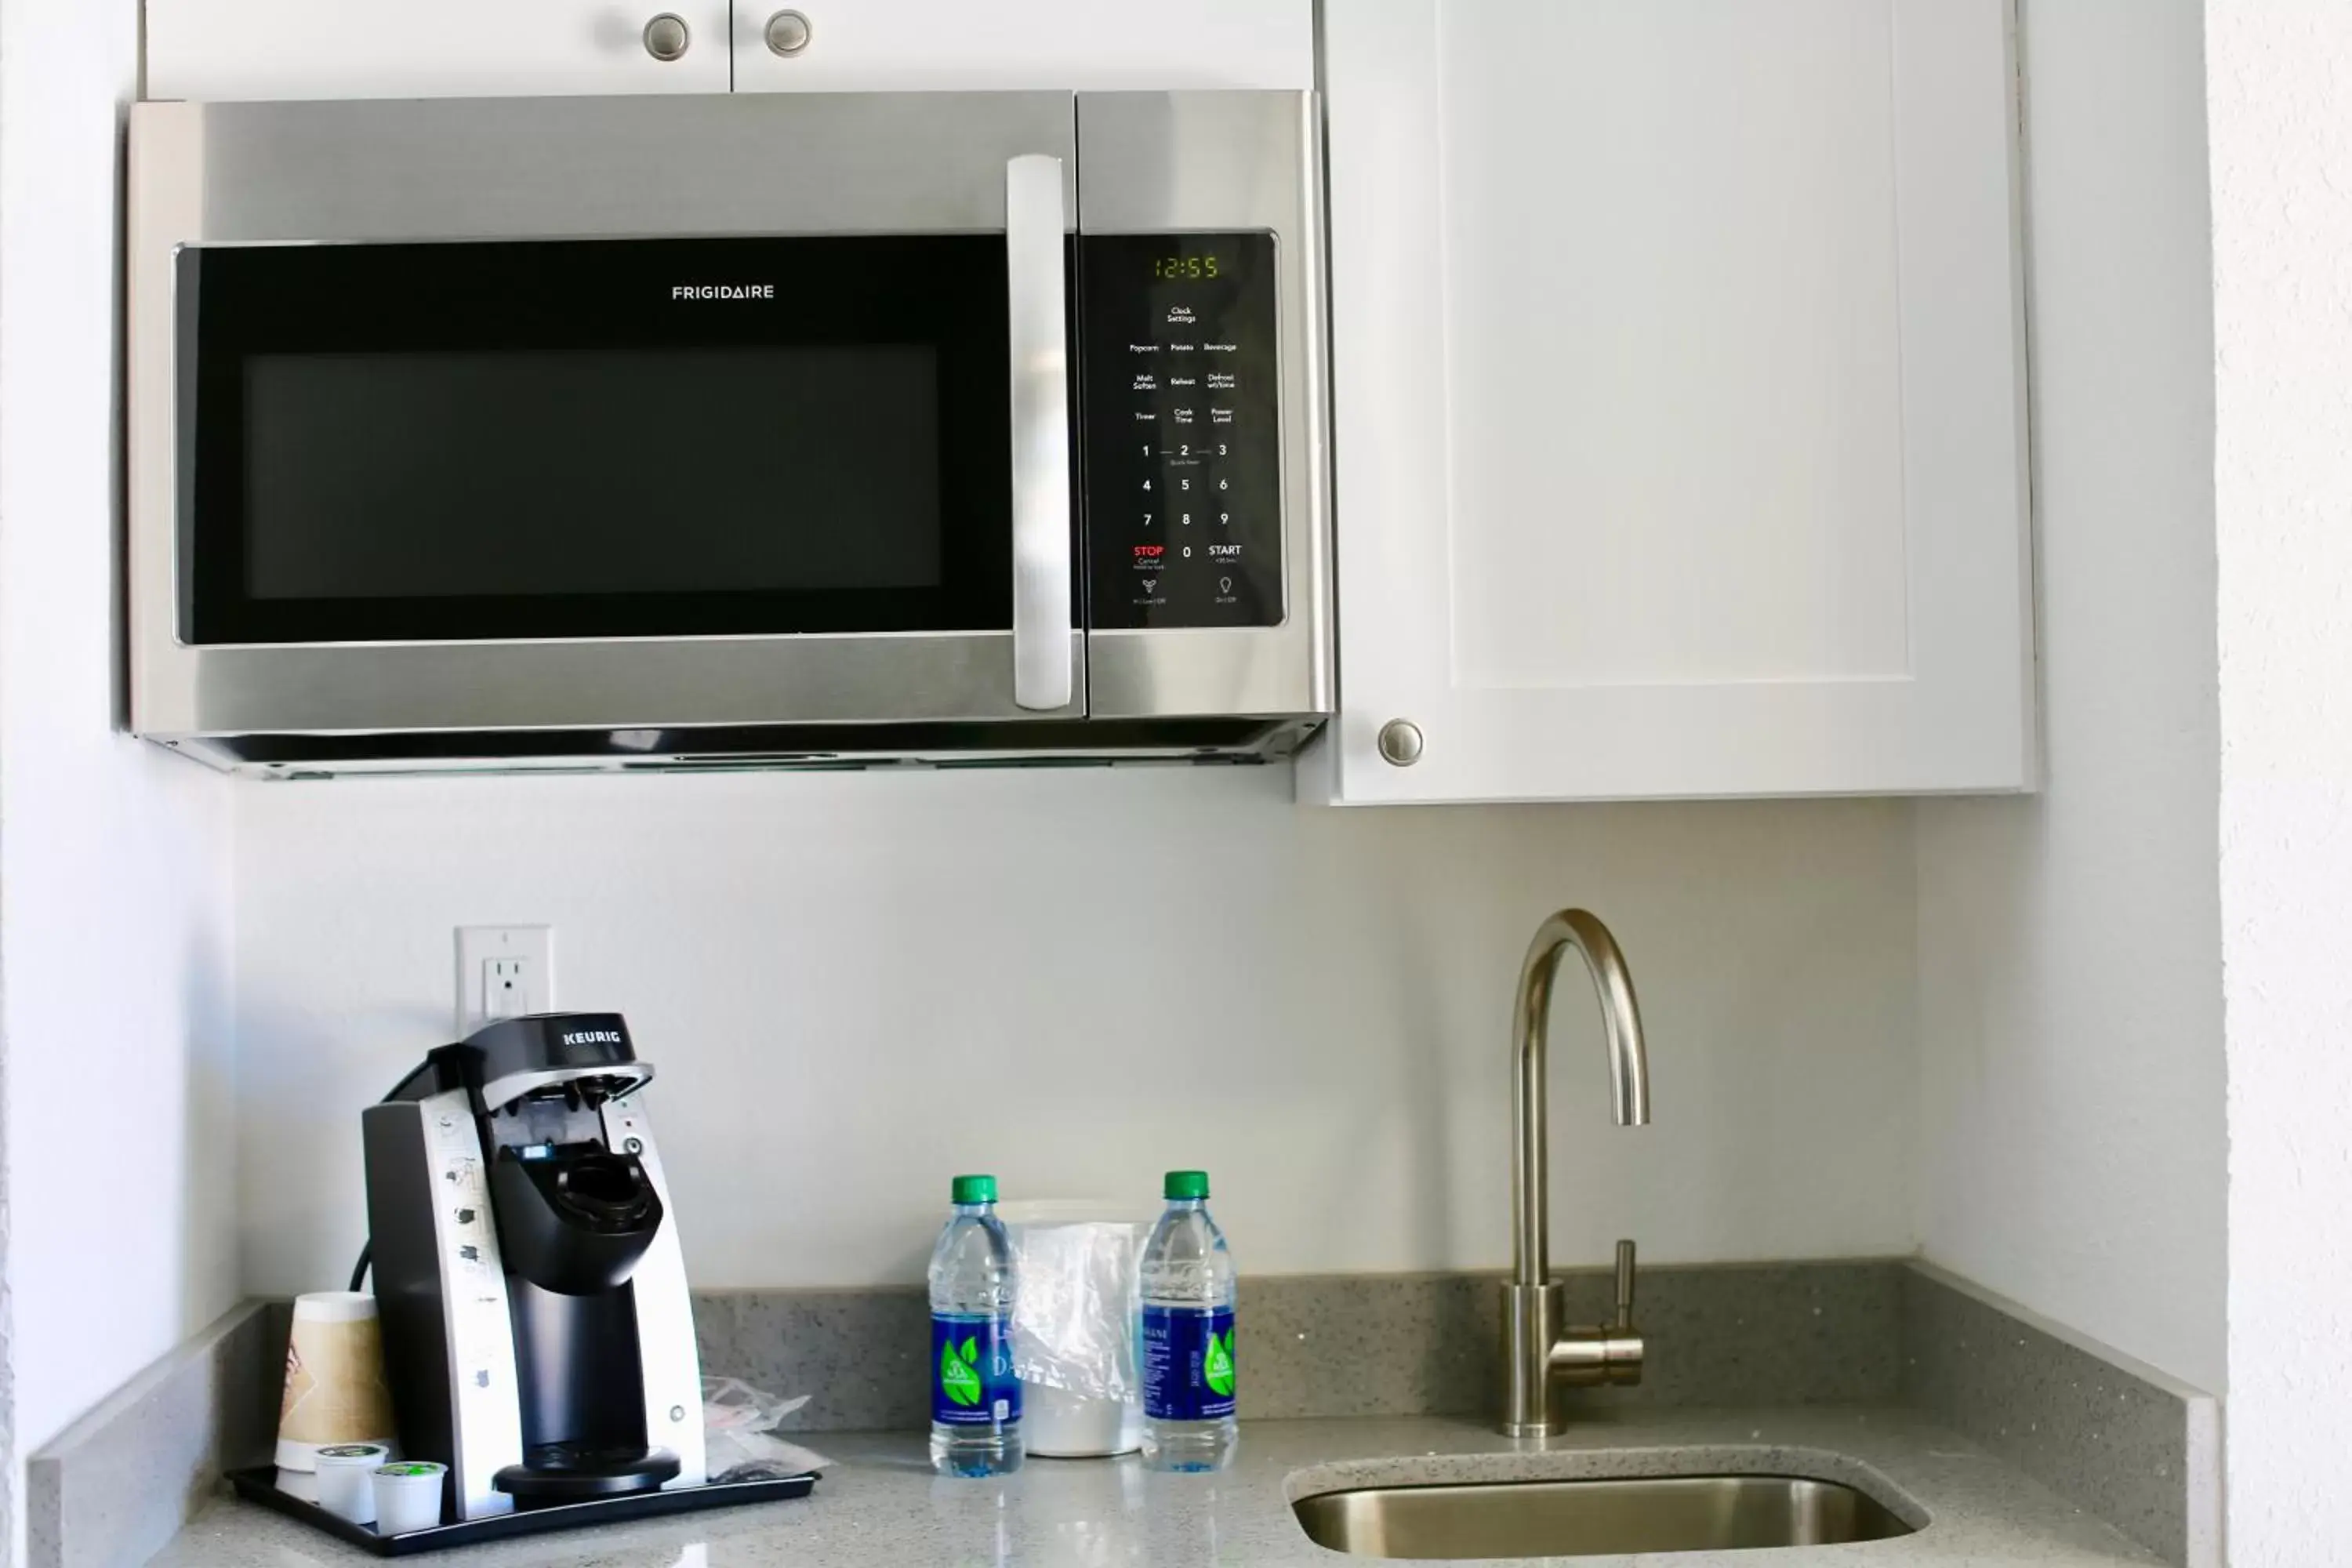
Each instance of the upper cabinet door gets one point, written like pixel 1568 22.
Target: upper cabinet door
pixel 1679 402
pixel 221 49
pixel 842 45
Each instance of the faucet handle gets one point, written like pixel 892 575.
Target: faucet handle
pixel 1625 1284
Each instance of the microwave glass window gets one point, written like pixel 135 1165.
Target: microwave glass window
pixel 595 438
pixel 591 471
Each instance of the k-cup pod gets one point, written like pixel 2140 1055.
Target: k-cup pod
pixel 408 1496
pixel 346 1478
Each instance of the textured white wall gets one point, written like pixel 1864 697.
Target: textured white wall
pixel 2281 106
pixel 114 867
pixel 2072 1151
pixel 856 985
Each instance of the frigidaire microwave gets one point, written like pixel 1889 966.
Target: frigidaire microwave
pixel 785 429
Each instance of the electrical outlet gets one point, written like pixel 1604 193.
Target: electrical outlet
pixel 503 972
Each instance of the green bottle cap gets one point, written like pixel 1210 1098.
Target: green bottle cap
pixel 1186 1185
pixel 973 1190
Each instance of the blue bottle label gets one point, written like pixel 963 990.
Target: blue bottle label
pixel 1188 1363
pixel 971 1372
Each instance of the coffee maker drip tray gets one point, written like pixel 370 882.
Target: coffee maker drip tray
pixel 259 1485
pixel 568 1472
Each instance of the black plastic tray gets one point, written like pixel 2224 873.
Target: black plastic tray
pixel 260 1484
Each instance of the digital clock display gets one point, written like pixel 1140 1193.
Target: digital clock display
pixel 1185 267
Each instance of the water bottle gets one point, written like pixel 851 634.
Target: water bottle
pixel 975 1399
pixel 1187 1350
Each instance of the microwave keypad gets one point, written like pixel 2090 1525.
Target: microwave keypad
pixel 1184 434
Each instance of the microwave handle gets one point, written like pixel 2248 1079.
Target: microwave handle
pixel 1034 257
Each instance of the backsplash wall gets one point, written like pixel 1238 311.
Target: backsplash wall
pixel 855 985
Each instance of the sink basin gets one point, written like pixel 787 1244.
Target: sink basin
pixel 1575 1518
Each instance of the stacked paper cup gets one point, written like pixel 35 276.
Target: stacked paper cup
pixel 335 1395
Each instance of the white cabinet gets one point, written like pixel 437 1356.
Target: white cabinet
pixel 220 49
pixel 437 49
pixel 1678 403
pixel 1099 45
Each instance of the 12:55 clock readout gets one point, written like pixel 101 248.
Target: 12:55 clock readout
pixel 1186 268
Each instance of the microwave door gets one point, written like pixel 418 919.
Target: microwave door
pixel 578 415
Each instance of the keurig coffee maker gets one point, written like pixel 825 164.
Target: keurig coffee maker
pixel 537 1337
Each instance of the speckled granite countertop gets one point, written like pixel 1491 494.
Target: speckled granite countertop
pixel 880 1507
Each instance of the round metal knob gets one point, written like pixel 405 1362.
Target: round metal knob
pixel 666 37
pixel 1400 742
pixel 788 33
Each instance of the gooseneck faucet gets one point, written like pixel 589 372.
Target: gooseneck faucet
pixel 1538 1352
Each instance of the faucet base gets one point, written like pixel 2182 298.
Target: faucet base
pixel 1532 1317
pixel 1539 1356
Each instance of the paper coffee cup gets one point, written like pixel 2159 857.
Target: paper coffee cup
pixel 334 1378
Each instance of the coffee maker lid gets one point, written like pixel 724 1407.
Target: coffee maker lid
pixel 514 1056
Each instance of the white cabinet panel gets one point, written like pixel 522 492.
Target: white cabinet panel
pixel 221 49
pixel 1100 45
pixel 1679 405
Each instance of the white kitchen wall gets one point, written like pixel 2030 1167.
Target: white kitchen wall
pixel 856 986
pixel 2280 83
pixel 2072 1151
pixel 114 864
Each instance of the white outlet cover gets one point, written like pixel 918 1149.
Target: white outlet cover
pixel 478 947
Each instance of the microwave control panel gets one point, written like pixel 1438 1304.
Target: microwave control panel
pixel 1183 456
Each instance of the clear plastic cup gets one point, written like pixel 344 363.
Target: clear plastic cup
pixel 408 1496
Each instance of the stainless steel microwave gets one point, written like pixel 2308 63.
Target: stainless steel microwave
pixel 755 429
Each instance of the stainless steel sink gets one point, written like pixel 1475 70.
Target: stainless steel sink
pixel 1576 1518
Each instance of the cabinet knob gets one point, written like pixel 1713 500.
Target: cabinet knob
pixel 788 33
pixel 1400 742
pixel 666 37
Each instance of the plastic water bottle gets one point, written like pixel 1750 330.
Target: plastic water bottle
pixel 1187 1350
pixel 975 1399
